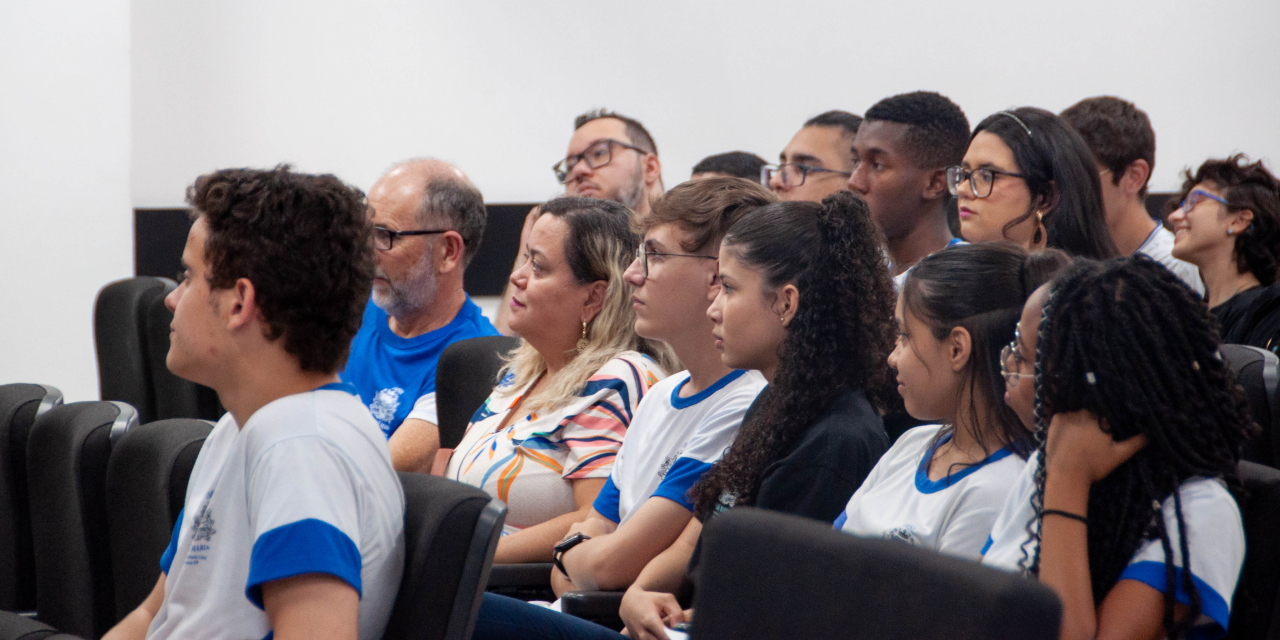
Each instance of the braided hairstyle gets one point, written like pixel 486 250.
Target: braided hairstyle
pixel 839 338
pixel 1127 341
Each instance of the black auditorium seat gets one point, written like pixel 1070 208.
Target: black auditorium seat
pixel 174 397
pixel 1255 610
pixel 1258 373
pixel 146 487
pixel 120 338
pixel 67 457
pixel 766 575
pixel 465 374
pixel 450 533
pixel 20 404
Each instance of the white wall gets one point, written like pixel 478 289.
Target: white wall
pixel 493 85
pixel 65 209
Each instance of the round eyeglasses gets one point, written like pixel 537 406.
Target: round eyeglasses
pixel 980 180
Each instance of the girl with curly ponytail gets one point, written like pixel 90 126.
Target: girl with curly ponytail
pixel 1139 428
pixel 941 485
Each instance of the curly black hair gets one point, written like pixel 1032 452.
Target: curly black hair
pixel 839 338
pixel 1126 340
pixel 303 241
pixel 1251 186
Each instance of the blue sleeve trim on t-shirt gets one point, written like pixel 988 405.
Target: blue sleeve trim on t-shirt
pixel 838 525
pixel 305 546
pixel 986 546
pixel 681 477
pixel 1152 574
pixel 607 501
pixel 166 559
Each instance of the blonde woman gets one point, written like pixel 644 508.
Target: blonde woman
pixel 545 440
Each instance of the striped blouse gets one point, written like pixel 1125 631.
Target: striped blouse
pixel 530 463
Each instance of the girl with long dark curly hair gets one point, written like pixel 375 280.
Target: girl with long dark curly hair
pixel 942 485
pixel 805 299
pixel 1139 430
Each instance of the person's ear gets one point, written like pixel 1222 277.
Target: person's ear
pixel 1046 201
pixel 786 302
pixel 652 169
pixel 595 299
pixel 452 254
pixel 1134 178
pixel 240 304
pixel 959 348
pixel 936 187
pixel 1244 219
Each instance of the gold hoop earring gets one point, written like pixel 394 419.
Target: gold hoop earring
pixel 582 342
pixel 1041 231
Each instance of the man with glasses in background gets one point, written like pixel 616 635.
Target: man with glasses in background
pixel 817 161
pixel 428 222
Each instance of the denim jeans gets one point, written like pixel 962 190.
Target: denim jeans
pixel 503 618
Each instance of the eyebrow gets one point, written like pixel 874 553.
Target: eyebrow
pixel 804 158
pixel 650 243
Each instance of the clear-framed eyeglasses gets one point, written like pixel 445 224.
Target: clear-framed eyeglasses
pixel 1011 361
pixel 643 257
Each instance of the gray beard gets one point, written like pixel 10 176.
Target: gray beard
pixel 416 292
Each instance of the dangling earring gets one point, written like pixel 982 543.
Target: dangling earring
pixel 582 342
pixel 1040 230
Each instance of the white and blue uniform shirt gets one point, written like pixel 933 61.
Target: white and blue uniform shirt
pixel 305 487
pixel 396 377
pixel 1215 539
pixel 672 441
pixel 1159 247
pixel 952 515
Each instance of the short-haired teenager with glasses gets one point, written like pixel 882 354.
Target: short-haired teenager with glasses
pixel 817 161
pixel 293 521
pixel 1124 152
pixel 681 427
pixel 1030 179
pixel 1228 225
pixel 901 155
pixel 428 223
pixel 941 485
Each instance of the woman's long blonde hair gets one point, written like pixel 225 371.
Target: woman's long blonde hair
pixel 599 246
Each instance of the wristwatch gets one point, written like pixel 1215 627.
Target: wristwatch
pixel 564 545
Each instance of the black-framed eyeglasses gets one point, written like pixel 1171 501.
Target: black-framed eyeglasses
pixel 384 238
pixel 1192 198
pixel 793 174
pixel 597 155
pixel 643 257
pixel 1012 352
pixel 980 180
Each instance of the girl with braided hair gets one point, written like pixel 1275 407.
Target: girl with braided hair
pixel 1139 430
pixel 941 485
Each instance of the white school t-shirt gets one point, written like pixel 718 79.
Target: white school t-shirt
pixel 1215 539
pixel 672 441
pixel 952 515
pixel 306 486
pixel 1159 247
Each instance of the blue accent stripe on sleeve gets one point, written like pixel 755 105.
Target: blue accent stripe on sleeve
pixel 1152 574
pixel 840 520
pixel 166 559
pixel 305 546
pixel 986 546
pixel 607 501
pixel 681 477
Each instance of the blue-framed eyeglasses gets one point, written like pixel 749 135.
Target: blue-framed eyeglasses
pixel 1192 198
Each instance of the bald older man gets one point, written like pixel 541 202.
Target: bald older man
pixel 428 222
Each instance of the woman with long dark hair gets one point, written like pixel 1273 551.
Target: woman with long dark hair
pixel 1140 427
pixel 941 485
pixel 1029 178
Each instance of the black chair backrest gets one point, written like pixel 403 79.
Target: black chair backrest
pixel 1258 372
pixel 768 575
pixel 174 397
pixel 465 375
pixel 120 338
pixel 146 486
pixel 67 458
pixel 1255 611
pixel 451 531
pixel 19 406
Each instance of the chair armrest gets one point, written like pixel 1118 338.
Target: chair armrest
pixel 600 607
pixel 14 626
pixel 528 574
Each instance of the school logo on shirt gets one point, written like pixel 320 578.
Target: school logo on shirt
pixel 385 403
pixel 202 527
pixel 666 464
pixel 905 533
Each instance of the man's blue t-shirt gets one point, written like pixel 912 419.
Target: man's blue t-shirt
pixel 396 377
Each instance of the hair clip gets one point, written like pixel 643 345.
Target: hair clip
pixel 1090 378
pixel 1017 120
